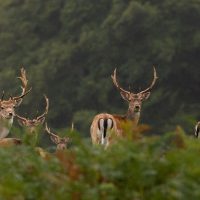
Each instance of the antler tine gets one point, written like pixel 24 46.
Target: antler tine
pixel 47 104
pixel 23 78
pixel 49 131
pixel 114 78
pixel 155 77
pixel 46 109
pixel 22 118
pixel 24 82
pixel 21 96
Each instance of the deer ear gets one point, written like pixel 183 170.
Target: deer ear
pixel 125 96
pixel 145 95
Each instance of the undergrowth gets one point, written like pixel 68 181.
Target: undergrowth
pixel 140 168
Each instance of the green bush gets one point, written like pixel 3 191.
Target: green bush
pixel 154 167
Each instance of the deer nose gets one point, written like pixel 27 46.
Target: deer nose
pixel 10 114
pixel 137 107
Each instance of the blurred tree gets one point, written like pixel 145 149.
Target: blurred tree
pixel 70 48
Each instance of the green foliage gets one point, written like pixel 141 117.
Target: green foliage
pixel 162 167
pixel 69 49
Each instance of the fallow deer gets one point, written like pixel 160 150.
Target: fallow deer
pixel 105 123
pixel 7 107
pixel 61 142
pixel 32 124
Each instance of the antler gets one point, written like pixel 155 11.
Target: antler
pixel 24 84
pixel 153 82
pixel 114 78
pixel 51 134
pixel 34 122
pixel 22 118
pixel 46 109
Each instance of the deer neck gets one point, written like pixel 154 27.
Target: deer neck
pixel 133 116
pixel 5 126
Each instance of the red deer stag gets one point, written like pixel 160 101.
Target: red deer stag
pixel 7 107
pixel 32 124
pixel 104 123
pixel 61 142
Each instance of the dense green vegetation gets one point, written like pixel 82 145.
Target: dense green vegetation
pixel 143 168
pixel 70 48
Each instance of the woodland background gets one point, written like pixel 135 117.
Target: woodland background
pixel 70 48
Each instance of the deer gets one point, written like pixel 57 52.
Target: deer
pixel 7 107
pixel 61 142
pixel 104 124
pixel 32 124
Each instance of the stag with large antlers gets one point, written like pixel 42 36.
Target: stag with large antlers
pixel 32 124
pixel 7 107
pixel 103 124
pixel 61 142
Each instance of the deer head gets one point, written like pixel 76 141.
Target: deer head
pixel 134 99
pixel 7 107
pixel 31 124
pixel 61 142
